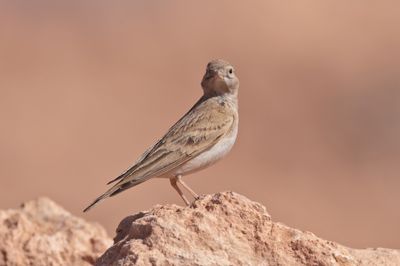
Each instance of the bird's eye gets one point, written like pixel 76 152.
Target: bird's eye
pixel 230 71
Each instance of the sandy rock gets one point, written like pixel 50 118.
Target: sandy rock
pixel 226 229
pixel 43 233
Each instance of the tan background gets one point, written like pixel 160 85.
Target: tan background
pixel 86 87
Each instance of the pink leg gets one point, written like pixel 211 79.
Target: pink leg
pixel 173 181
pixel 180 181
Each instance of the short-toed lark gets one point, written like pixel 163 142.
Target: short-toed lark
pixel 205 134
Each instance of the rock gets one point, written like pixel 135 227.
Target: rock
pixel 220 229
pixel 43 233
pixel 226 229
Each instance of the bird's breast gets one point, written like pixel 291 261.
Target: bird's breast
pixel 211 156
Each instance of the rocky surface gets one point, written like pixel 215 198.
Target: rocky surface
pixel 43 233
pixel 220 229
pixel 226 229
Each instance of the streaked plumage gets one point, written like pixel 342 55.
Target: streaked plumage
pixel 202 136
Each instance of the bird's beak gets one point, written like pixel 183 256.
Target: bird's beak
pixel 210 74
pixel 213 80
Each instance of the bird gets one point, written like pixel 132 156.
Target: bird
pixel 203 136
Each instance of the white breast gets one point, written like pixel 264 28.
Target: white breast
pixel 207 158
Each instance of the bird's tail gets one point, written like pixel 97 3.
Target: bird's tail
pixel 116 189
pixel 97 200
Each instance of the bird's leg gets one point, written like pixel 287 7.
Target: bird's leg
pixel 173 181
pixel 180 181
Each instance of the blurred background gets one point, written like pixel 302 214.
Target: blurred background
pixel 86 87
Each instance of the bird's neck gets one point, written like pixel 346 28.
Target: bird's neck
pixel 228 96
pixel 231 98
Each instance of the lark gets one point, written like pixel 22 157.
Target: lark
pixel 204 135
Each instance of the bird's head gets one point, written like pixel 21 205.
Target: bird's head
pixel 220 78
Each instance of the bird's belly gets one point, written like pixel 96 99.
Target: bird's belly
pixel 207 158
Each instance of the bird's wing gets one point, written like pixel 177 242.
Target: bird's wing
pixel 197 131
pixel 153 148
